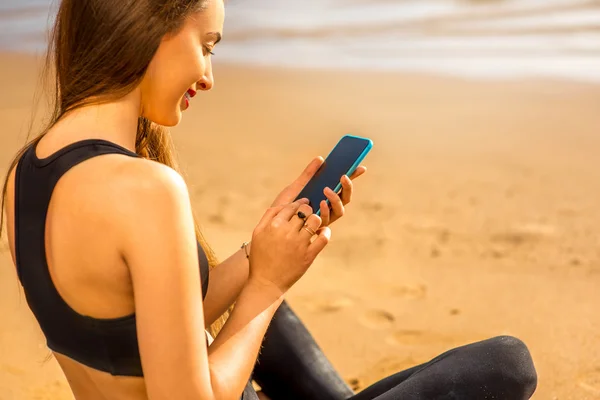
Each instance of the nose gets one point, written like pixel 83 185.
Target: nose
pixel 207 81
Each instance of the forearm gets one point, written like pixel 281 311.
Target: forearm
pixel 225 285
pixel 233 353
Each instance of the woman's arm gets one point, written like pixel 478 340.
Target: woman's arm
pixel 156 232
pixel 225 285
pixel 228 278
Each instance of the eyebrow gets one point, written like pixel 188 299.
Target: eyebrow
pixel 215 35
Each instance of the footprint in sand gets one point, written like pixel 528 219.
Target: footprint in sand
pixel 372 206
pixel 382 368
pixel 377 319
pixel 13 370
pixel 355 383
pixel 525 233
pixel 415 292
pixel 218 219
pixel 333 305
pixel 328 304
pixel 405 337
pixel 411 337
pixel 590 381
pixel 443 236
pixel 513 238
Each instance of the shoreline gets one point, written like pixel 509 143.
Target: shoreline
pixel 489 41
pixel 389 72
pixel 224 66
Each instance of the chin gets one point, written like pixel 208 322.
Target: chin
pixel 167 120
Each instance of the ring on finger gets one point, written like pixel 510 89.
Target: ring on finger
pixel 309 230
pixel 301 215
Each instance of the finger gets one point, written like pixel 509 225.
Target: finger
pixel 347 189
pixel 269 215
pixel 337 208
pixel 307 210
pixel 310 170
pixel 286 213
pixel 325 213
pixel 320 242
pixel 313 223
pixel 358 172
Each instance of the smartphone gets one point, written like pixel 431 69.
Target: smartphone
pixel 345 157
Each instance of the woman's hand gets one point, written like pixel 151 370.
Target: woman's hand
pixel 329 213
pixel 282 245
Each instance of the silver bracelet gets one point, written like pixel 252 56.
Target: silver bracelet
pixel 245 247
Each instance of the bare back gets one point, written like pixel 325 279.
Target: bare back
pixel 84 263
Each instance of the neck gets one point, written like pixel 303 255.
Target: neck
pixel 116 122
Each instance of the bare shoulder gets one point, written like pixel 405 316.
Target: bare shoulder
pixel 144 181
pixel 145 194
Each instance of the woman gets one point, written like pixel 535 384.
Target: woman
pixel 103 237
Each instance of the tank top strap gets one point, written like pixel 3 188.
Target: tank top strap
pixel 35 181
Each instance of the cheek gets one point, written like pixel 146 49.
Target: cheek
pixel 174 69
pixel 193 68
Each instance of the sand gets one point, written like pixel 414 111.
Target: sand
pixel 478 215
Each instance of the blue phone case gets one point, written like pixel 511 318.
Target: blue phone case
pixel 355 165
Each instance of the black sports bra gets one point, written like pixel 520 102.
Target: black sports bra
pixel 108 345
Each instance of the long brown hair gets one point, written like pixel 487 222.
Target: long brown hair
pixel 99 51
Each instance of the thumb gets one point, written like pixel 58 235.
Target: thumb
pixel 310 170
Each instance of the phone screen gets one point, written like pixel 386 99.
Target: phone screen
pixel 338 162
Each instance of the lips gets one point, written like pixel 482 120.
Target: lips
pixel 187 97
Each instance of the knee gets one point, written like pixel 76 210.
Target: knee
pixel 512 358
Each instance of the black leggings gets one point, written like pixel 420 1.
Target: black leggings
pixel 291 366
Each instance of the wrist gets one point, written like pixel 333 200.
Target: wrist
pixel 266 287
pixel 246 249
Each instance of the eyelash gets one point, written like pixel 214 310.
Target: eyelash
pixel 208 51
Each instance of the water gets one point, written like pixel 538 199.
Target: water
pixel 474 39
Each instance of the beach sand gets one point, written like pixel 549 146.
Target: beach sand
pixel 478 216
